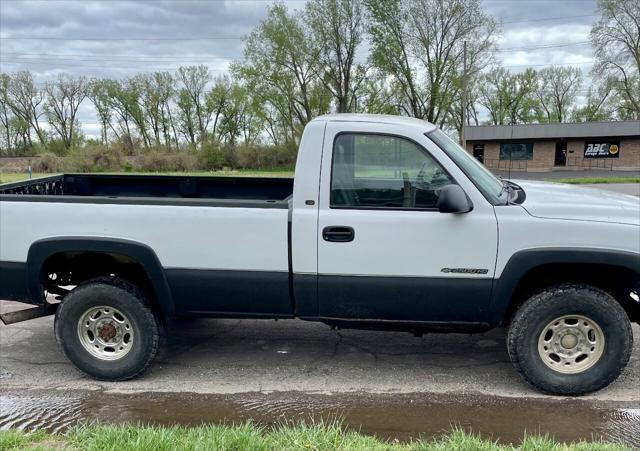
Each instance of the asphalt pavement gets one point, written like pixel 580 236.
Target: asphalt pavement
pixel 235 356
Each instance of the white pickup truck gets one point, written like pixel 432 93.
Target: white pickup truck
pixel 388 224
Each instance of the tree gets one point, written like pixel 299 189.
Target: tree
pixel 509 98
pixel 377 95
pixel 239 117
pixel 217 100
pixel 599 105
pixel 420 44
pixel 556 90
pixel 194 80
pixel 282 66
pixel 64 97
pixel 337 31
pixel 616 42
pixel 98 94
pixel 155 93
pixel 25 100
pixel 5 112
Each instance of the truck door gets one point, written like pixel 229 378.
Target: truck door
pixel 385 252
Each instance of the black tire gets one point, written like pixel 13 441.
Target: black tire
pixel 555 302
pixel 133 304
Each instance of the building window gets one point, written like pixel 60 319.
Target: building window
pixel 516 151
pixel 377 171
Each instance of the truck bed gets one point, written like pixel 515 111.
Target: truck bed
pixel 222 242
pixel 258 189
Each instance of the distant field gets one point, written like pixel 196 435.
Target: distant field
pixel 7 177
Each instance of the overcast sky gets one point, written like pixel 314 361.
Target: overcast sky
pixel 119 38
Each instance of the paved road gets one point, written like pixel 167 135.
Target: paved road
pixel 632 189
pixel 229 356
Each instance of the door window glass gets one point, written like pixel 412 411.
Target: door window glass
pixel 376 171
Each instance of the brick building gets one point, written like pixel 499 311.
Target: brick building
pixel 545 147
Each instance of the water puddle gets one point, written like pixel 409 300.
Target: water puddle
pixel 401 417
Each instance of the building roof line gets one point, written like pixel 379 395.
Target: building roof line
pixel 554 131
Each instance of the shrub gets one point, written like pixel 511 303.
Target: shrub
pixel 211 157
pixel 56 146
pixel 47 162
pixel 94 158
pixel 180 161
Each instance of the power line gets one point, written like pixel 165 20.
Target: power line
pixel 546 46
pixel 567 63
pixel 108 56
pixel 66 64
pixel 55 38
pixel 89 59
pixel 543 19
pixel 180 58
pixel 71 64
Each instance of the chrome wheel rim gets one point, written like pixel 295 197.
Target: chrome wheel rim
pixel 571 344
pixel 105 332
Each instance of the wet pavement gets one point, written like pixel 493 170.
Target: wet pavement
pixel 387 383
pixel 392 417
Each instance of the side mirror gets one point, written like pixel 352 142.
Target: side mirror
pixel 453 200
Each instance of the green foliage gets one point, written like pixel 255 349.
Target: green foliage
pixel 18 440
pixel 509 98
pixel 211 157
pixel 320 435
pixel 57 147
pixel 47 162
pixel 157 161
pixel 615 38
pixel 301 63
pixel 94 159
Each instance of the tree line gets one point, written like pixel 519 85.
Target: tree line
pixel 419 58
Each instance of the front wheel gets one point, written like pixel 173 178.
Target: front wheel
pixel 107 329
pixel 570 339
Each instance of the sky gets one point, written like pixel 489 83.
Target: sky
pixel 120 38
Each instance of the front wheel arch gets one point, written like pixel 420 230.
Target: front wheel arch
pixel 529 271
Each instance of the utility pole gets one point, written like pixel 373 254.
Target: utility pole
pixel 463 128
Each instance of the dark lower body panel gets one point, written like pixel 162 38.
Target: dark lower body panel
pixel 390 303
pixel 13 281
pixel 204 292
pixel 409 299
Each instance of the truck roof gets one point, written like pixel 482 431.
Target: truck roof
pixel 377 118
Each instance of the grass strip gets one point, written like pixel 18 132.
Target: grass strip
pixel 249 436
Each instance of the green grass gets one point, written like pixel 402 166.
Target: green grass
pixel 8 177
pixel 597 180
pixel 248 436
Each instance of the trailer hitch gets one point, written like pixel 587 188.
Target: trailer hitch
pixel 28 313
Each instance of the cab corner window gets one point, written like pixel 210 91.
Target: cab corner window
pixel 377 171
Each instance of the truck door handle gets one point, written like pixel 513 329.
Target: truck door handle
pixel 338 234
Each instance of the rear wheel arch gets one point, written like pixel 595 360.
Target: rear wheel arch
pixel 104 253
pixel 530 271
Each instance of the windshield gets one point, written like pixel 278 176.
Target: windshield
pixel 482 178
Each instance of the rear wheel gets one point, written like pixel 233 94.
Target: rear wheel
pixel 570 339
pixel 107 329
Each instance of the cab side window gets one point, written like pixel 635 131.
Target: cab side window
pixel 387 172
